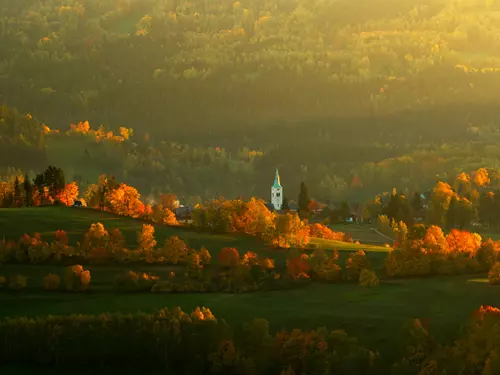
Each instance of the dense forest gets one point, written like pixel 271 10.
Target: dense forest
pixel 350 97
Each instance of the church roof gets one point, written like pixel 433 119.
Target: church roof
pixel 277 183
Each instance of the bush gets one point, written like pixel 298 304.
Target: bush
pixel 368 278
pixel 228 257
pixel 494 274
pixel 51 282
pixel 131 281
pixel 3 281
pixel 76 278
pixel 17 282
pixel 355 264
pixel 205 256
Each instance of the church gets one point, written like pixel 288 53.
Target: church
pixel 277 192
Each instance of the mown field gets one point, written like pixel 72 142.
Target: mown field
pixel 375 316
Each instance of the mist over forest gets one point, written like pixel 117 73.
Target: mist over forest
pixel 354 97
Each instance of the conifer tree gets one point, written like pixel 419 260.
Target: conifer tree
pixel 285 205
pixel 17 192
pixel 28 190
pixel 304 200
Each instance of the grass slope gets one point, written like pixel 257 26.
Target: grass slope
pixel 76 221
pixel 373 315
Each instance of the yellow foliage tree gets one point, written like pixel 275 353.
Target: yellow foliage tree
pixel 494 274
pixel 368 278
pixel 146 239
pixel 51 282
pixel 174 250
pixel 76 278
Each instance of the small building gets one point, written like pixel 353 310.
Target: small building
pixel 184 213
pixel 277 192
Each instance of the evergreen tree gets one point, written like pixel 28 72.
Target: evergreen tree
pixel 285 205
pixel 28 190
pixel 452 213
pixel 416 203
pixel 398 208
pixel 465 213
pixel 17 192
pixel 345 211
pixel 486 208
pixel 304 200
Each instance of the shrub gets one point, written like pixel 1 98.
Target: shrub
pixel 205 256
pixel 174 250
pixel 368 278
pixel 133 282
pixel 494 274
pixel 228 257
pixel 17 282
pixel 51 282
pixel 3 281
pixel 298 267
pixel 355 264
pixel 76 278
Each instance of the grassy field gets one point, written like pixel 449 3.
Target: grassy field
pixel 76 221
pixel 375 316
pixel 361 233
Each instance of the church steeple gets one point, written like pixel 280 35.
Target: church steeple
pixel 277 183
pixel 277 192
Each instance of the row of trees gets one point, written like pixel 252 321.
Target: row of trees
pixel 458 203
pixel 424 251
pixel 198 342
pixel 47 188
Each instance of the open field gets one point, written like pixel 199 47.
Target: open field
pixel 362 233
pixel 76 221
pixel 375 316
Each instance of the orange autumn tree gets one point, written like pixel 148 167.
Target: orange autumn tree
pixel 69 194
pixel 169 201
pixel 228 257
pixel 298 266
pixel 95 244
pixel 60 247
pixel 124 200
pixel 253 218
pixel 481 177
pixel 146 240
pixel 174 250
pixel 163 215
pixel 322 231
pixel 440 201
pixel 463 242
pixel 288 231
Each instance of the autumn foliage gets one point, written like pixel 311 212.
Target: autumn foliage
pixel 76 278
pixel 322 231
pixel 429 251
pixel 228 257
pixel 51 282
pixel 494 274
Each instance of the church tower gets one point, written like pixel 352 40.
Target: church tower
pixel 277 192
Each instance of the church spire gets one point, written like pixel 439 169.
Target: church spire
pixel 277 183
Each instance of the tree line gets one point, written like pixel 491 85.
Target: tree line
pixel 198 342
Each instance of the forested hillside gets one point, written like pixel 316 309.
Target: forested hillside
pixel 352 96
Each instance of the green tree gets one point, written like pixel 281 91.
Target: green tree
pixel 416 202
pixel 17 193
pixel 452 214
pixel 28 190
pixel 285 205
pixel 304 200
